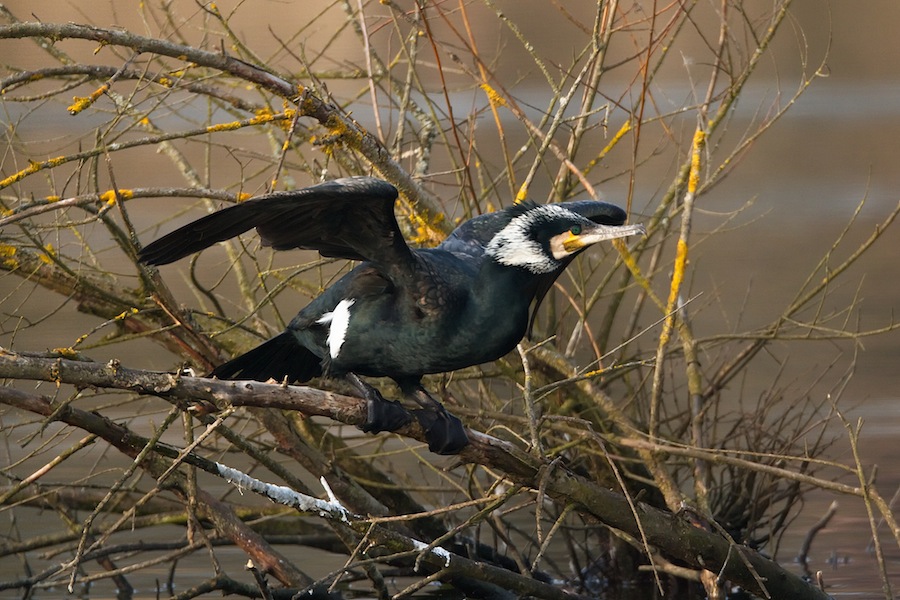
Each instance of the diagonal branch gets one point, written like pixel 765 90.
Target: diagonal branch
pixel 674 535
pixel 349 131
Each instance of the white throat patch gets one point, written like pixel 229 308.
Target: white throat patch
pixel 338 321
pixel 514 247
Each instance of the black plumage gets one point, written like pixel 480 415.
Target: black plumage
pixel 401 313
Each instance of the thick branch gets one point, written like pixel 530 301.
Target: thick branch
pixel 675 536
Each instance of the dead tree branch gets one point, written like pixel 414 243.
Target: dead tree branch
pixel 676 536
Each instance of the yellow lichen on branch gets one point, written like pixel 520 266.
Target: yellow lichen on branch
pixel 47 255
pixel 262 117
pixel 522 194
pixel 110 196
pixel 426 232
pixel 8 256
pixel 625 128
pixel 681 251
pixel 80 103
pixel 495 98
pixel 286 122
pixel 32 168
pixel 694 176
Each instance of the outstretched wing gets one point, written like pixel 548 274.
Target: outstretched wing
pixel 350 218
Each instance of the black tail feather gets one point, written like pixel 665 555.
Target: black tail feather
pixel 276 359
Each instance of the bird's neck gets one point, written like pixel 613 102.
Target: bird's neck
pixel 512 288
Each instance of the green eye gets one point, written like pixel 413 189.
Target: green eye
pixel 575 230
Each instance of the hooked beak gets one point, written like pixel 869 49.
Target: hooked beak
pixel 569 243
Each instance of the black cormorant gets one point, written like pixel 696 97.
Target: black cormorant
pixel 402 312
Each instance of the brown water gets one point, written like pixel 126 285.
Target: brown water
pixel 837 146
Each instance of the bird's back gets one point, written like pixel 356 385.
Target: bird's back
pixel 442 321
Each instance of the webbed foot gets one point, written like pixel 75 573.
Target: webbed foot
pixel 381 414
pixel 444 432
pixel 384 415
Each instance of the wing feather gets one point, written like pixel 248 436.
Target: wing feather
pixel 350 218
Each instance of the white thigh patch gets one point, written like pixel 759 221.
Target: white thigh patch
pixel 338 321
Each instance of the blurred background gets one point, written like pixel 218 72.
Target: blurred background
pixel 830 159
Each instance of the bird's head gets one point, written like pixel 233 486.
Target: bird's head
pixel 540 238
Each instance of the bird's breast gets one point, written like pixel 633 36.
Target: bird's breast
pixel 434 332
pixel 442 320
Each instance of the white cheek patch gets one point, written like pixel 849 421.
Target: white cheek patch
pixel 522 253
pixel 514 245
pixel 338 321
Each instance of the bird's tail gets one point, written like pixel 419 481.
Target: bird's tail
pixel 276 359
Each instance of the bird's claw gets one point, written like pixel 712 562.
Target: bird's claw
pixel 443 431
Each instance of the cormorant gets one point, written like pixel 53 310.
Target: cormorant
pixel 402 312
